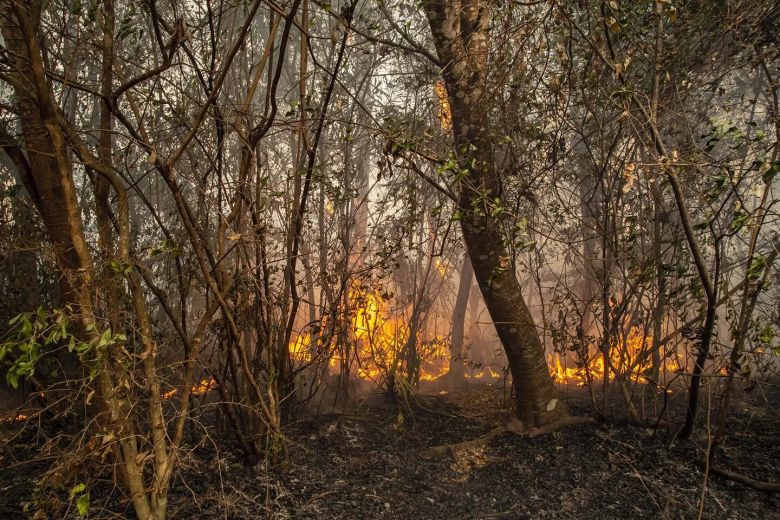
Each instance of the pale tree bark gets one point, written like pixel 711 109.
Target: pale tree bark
pixel 456 374
pixel 21 261
pixel 460 34
pixel 48 177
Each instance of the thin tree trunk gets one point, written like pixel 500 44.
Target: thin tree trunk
pixel 456 374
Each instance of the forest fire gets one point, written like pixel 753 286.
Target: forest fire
pixel 483 374
pixel 631 356
pixel 280 258
pixel 300 348
pixel 380 339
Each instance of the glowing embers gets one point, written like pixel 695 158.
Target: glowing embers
pixel 14 418
pixel 202 388
pixel 434 359
pixel 631 357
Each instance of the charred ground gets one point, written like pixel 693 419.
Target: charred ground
pixel 367 464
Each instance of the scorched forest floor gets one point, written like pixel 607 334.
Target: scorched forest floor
pixel 367 464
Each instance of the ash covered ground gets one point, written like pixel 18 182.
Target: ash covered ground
pixel 368 463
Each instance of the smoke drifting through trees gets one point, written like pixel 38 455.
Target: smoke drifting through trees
pixel 226 216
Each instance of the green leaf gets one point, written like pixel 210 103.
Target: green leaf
pixel 13 379
pixel 105 338
pixel 496 211
pixel 739 220
pixel 75 490
pixel 82 504
pixel 756 268
pixel 767 335
pixel 768 175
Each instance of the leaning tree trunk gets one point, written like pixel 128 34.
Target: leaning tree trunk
pixel 45 173
pixel 460 33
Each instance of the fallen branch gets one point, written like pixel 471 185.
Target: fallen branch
pixel 439 452
pixel 759 485
pixel 318 496
pixel 514 425
pixel 554 426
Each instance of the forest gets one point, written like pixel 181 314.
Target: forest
pixel 389 259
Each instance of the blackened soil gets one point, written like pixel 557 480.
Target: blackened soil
pixel 368 465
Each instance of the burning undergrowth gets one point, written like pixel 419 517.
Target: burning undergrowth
pixel 383 341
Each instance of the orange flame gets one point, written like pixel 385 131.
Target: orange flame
pixel 203 387
pixel 300 348
pixel 380 335
pixel 631 356
pixel 14 418
pixel 483 373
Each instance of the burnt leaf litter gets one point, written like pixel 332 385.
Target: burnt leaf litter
pixel 367 464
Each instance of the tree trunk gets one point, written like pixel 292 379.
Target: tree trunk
pixel 460 33
pixel 50 182
pixel 591 208
pixel 456 374
pixel 659 310
pixel 705 341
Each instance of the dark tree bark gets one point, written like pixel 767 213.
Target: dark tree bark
pixel 460 34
